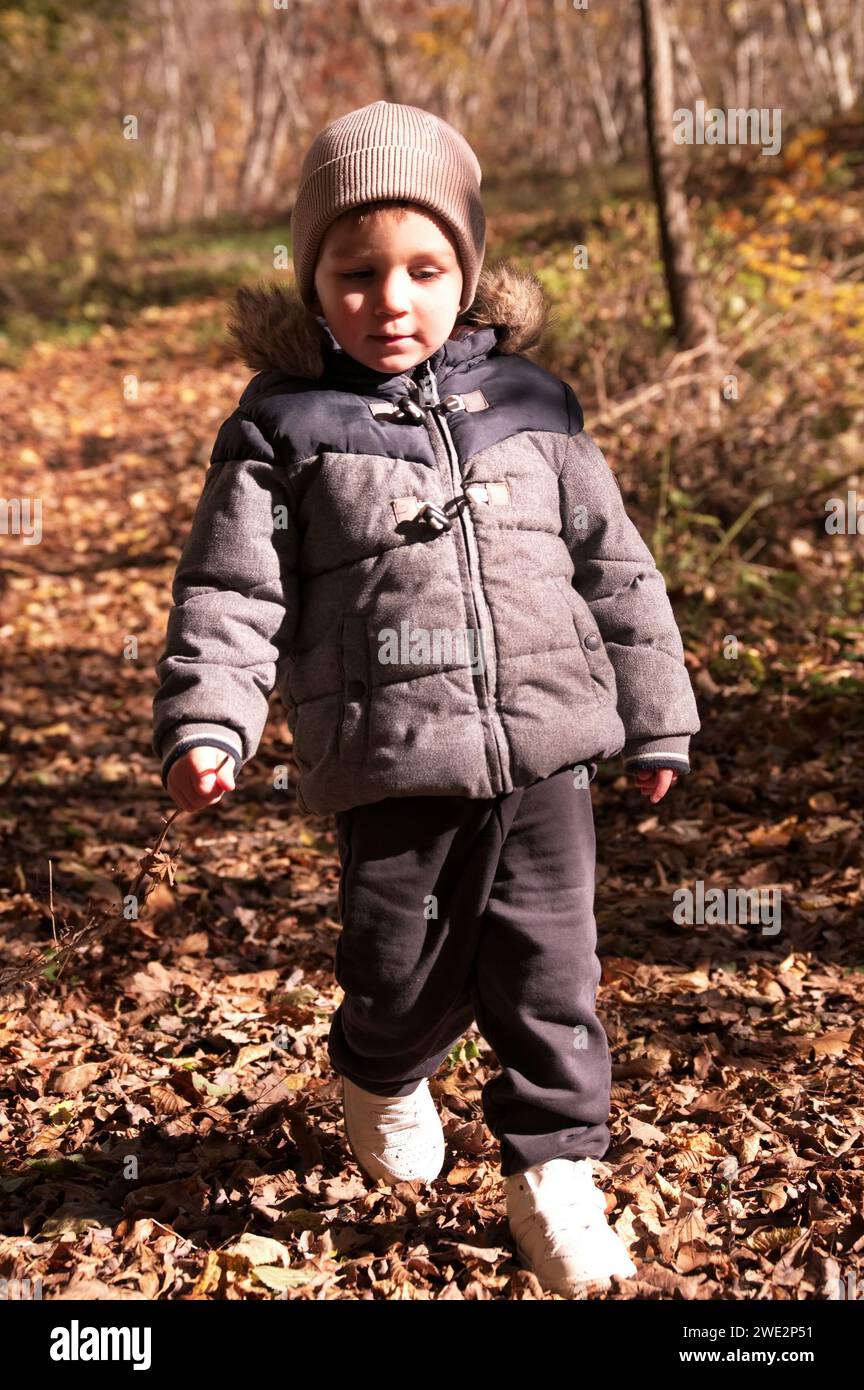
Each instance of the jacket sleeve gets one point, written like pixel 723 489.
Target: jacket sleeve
pixel 235 605
pixel 616 575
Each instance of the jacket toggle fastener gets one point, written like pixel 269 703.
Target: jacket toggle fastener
pixel 455 400
pixel 433 515
pixel 405 408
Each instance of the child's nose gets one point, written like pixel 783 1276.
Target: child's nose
pixel 393 293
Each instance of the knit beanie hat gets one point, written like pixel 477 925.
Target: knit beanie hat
pixel 387 150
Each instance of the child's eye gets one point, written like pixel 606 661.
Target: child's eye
pixel 360 274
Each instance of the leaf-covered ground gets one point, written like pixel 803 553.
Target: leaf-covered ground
pixel 169 1122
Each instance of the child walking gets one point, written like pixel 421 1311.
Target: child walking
pixel 406 531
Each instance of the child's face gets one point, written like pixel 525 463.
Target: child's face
pixel 395 274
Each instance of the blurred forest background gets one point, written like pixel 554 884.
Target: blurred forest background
pixel 148 157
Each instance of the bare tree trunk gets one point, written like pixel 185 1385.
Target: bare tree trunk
pixel 529 67
pixel 381 36
pixel 830 58
pixel 857 44
pixel 738 17
pixel 796 26
pixel 168 132
pixel 757 66
pixel 208 197
pixel 202 197
pixel 694 323
pixel 493 26
pixel 558 146
pixel 743 64
pixel 268 113
pixel 295 121
pixel 838 48
pixel 685 67
pixel 573 146
pixel 627 102
pixel 598 92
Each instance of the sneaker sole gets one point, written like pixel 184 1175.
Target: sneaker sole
pixel 578 1290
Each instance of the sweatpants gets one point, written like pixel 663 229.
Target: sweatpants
pixel 456 909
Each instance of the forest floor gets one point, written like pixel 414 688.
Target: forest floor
pixel 170 1124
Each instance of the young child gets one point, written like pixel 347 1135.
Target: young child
pixel 406 531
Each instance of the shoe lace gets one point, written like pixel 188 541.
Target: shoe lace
pixel 388 1120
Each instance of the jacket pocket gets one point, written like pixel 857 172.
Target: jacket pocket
pixel 356 673
pixel 311 729
pixel 601 672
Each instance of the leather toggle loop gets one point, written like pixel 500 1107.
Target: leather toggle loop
pixel 431 514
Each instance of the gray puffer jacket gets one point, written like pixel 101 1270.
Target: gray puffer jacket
pixel 435 571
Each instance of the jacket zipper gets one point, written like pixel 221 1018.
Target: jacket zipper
pixel 430 400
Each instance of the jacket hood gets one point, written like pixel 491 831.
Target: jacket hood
pixel 271 329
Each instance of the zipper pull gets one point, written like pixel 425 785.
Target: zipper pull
pixel 428 388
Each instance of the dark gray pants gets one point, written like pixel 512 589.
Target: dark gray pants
pixel 455 909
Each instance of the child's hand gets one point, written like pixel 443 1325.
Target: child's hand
pixel 655 784
pixel 201 777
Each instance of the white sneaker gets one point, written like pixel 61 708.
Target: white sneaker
pixel 397 1138
pixel 558 1221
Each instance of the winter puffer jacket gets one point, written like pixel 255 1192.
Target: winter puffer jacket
pixel 434 569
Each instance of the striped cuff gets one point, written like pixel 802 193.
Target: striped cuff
pixel 187 736
pixel 656 760
pixel 652 753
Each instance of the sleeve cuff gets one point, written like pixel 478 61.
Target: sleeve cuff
pixel 187 736
pixel 658 752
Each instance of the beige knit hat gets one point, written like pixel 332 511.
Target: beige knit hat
pixel 389 151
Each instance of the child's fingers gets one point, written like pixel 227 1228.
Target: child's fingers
pixel 214 771
pixel 665 778
pixel 183 794
pixel 176 788
pixel 206 790
pixel 225 775
pixel 201 777
pixel 213 783
pixel 208 786
pixel 654 783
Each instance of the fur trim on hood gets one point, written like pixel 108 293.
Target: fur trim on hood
pixel 271 328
